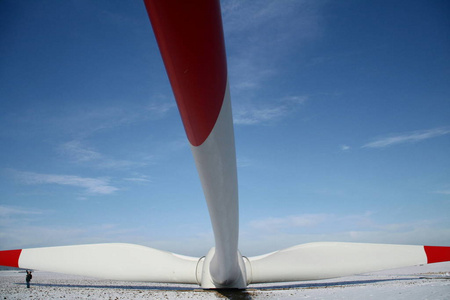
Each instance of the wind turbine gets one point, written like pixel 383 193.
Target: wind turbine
pixel 190 38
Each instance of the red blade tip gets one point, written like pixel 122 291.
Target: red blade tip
pixel 437 254
pixel 10 258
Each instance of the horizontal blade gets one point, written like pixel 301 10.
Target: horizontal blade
pixel 328 260
pixel 111 261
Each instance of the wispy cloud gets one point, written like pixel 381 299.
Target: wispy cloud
pixel 35 234
pixel 255 58
pixel 243 162
pixel 246 21
pixel 159 110
pixel 247 75
pixel 290 222
pixel 275 224
pixel 408 137
pixel 443 192
pixel 251 115
pixel 7 211
pixel 82 123
pixel 79 151
pixel 140 179
pixel 91 185
pixel 100 119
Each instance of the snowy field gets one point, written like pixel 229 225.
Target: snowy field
pixel 421 282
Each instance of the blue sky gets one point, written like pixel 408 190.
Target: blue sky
pixel 341 112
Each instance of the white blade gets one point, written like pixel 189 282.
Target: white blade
pixel 216 164
pixel 112 261
pixel 328 260
pixel 190 38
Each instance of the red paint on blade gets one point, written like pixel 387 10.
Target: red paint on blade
pixel 10 258
pixel 190 38
pixel 437 254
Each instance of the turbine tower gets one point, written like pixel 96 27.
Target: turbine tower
pixel 191 42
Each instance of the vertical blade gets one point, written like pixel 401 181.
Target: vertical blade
pixel 190 38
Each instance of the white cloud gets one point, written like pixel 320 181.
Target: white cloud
pixel 143 179
pixel 79 152
pixel 245 21
pixel 251 115
pixel 314 222
pixel 84 123
pixel 246 75
pixel 274 224
pixel 409 137
pixel 34 235
pixel 13 217
pixel 7 211
pixel 345 147
pixel 159 110
pixel 91 185
pixel 243 162
pixel 258 40
pixel 443 192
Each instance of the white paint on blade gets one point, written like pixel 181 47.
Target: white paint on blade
pixel 216 163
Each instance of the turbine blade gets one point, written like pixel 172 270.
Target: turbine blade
pixel 110 261
pixel 191 42
pixel 328 260
pixel 190 38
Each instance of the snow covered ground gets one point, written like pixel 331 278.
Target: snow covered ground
pixel 421 282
